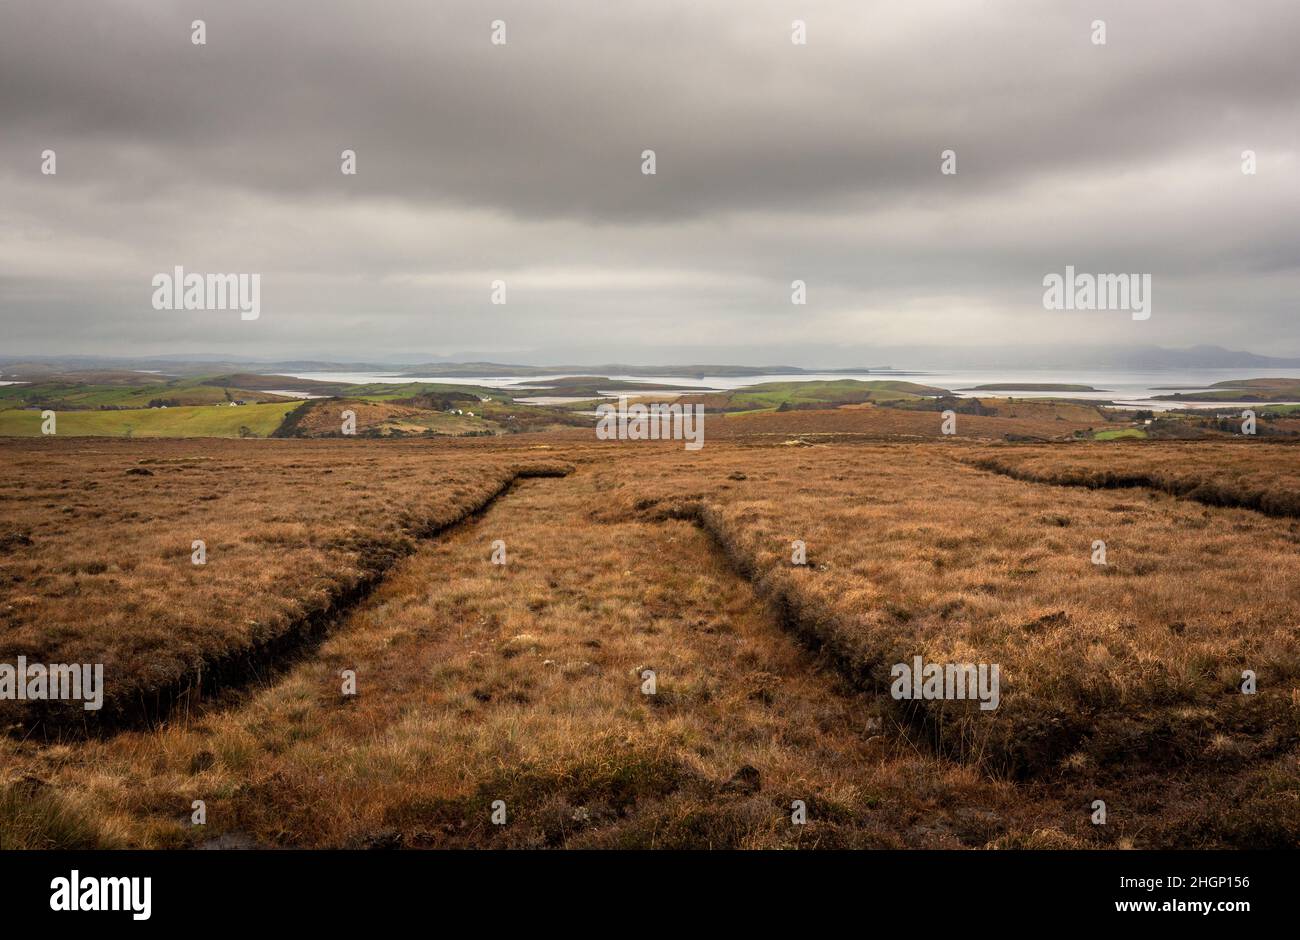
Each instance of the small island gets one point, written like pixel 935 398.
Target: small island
pixel 1242 390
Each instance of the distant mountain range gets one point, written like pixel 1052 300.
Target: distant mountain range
pixel 33 365
pixel 1143 358
pixel 912 359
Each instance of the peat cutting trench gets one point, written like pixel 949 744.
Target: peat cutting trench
pixel 220 680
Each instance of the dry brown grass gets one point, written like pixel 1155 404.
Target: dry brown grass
pixel 96 545
pixel 1245 474
pixel 876 422
pixel 521 683
pixel 911 553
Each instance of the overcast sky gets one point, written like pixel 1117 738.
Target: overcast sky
pixel 522 162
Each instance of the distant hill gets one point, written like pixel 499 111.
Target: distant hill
pixel 1134 358
pixel 1197 357
pixel 482 369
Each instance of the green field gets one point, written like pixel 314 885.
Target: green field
pixel 380 391
pixel 76 396
pixel 198 421
pixel 840 392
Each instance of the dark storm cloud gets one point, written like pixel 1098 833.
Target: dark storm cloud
pixel 775 161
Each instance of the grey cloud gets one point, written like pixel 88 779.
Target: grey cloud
pixel 775 162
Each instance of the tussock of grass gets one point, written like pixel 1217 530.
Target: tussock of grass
pixel 33 815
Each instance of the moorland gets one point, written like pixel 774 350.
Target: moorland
pixel 500 601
